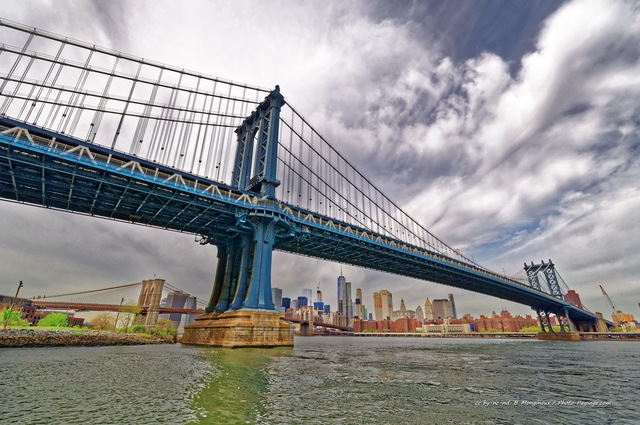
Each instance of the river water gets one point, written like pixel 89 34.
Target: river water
pixel 326 380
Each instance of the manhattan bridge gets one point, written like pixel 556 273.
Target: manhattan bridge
pixel 98 132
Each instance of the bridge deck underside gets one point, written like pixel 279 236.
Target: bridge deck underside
pixel 37 178
pixel 32 175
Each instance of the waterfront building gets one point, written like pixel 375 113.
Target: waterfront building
pixel 403 313
pixel 276 294
pixel 428 311
pixel 504 322
pixel 286 302
pixel 447 327
pixel 340 320
pixel 622 320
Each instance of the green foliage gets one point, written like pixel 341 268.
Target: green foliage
pixel 12 318
pixel 138 328
pixel 531 329
pixel 128 314
pixel 55 320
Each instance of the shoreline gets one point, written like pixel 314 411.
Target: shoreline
pixel 576 336
pixel 16 338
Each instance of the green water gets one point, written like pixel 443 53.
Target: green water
pixel 325 380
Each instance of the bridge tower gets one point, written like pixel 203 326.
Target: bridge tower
pixel 241 310
pixel 548 271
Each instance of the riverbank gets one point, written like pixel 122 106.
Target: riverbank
pixel 81 338
pixel 563 336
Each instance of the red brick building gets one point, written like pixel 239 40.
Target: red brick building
pixel 504 322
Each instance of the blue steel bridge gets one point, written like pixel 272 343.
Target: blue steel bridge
pixel 94 131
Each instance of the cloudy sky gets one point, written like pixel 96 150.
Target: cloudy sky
pixel 509 129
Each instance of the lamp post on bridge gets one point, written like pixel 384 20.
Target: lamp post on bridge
pixel 20 285
pixel 118 315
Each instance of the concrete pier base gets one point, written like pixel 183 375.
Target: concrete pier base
pixel 560 336
pixel 240 329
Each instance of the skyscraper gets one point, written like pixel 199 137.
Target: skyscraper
pixel 319 295
pixel 286 302
pixel 303 302
pixel 377 305
pixel 176 299
pixel 348 303
pixel 307 293
pixel 442 309
pixel 453 307
pixel 276 294
pixel 428 311
pixel 383 304
pixel 387 304
pixel 192 302
pixel 359 303
pixel 341 306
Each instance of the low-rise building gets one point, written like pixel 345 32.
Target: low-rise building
pixel 447 327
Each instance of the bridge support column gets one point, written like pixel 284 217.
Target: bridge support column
pixel 601 325
pixel 241 312
pixel 221 271
pixel 150 296
pixel 306 329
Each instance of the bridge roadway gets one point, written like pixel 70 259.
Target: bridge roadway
pixel 48 169
pixel 61 305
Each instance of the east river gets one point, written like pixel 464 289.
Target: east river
pixel 326 380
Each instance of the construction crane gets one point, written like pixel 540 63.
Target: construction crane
pixel 608 299
pixel 618 316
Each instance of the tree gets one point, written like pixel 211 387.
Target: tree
pixel 165 326
pixel 103 321
pixel 128 314
pixel 12 318
pixel 56 320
